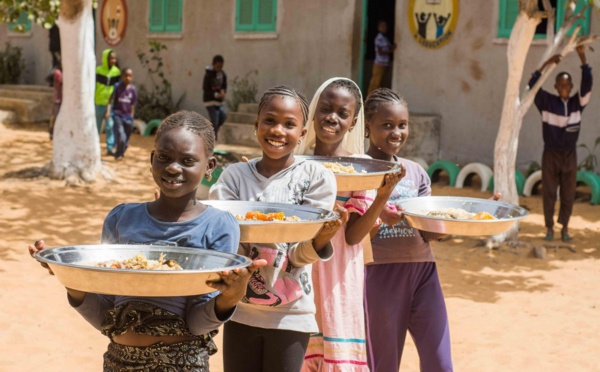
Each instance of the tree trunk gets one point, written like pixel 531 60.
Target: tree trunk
pixel 507 140
pixel 76 151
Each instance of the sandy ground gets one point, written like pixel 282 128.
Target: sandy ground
pixel 508 310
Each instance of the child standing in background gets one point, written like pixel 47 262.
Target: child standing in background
pixel 168 333
pixel 336 128
pixel 215 89
pixel 107 75
pixel 402 288
pixel 57 97
pixel 123 100
pixel 271 326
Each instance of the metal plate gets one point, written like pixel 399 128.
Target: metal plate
pixel 371 180
pixel 506 214
pixel 74 268
pixel 276 231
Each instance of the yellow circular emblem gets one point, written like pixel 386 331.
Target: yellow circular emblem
pixel 432 22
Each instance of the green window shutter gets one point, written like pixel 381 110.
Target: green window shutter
pixel 585 23
pixel 156 16
pixel 244 15
pixel 509 9
pixel 173 15
pixel 22 24
pixel 266 11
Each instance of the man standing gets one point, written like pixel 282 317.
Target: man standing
pixel 561 121
pixel 383 52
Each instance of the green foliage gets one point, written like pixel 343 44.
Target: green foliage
pixel 155 101
pixel 42 12
pixel 11 65
pixel 590 162
pixel 243 90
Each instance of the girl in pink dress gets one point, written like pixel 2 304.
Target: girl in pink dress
pixel 337 129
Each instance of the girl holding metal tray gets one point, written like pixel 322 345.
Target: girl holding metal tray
pixel 169 333
pixel 272 325
pixel 337 129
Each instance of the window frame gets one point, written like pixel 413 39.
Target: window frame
pixel 26 21
pixel 164 28
pixel 256 27
pixel 503 31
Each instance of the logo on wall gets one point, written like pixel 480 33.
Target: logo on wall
pixel 113 20
pixel 432 22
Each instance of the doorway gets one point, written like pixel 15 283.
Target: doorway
pixel 373 11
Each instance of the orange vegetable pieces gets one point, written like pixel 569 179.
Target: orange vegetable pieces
pixel 483 216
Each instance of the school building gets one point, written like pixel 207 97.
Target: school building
pixel 450 61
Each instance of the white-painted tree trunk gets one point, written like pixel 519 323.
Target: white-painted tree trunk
pixel 76 151
pixel 507 140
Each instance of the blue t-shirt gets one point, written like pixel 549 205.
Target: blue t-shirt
pixel 132 224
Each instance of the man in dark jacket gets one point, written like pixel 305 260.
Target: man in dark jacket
pixel 215 89
pixel 561 121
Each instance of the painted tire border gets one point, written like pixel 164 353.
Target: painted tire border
pixel 484 172
pixel 447 166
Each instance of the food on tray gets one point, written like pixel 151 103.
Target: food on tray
pixel 140 262
pixel 259 216
pixel 458 214
pixel 340 168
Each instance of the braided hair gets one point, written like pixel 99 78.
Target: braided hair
pixel 285 91
pixel 193 122
pixel 381 96
pixel 352 88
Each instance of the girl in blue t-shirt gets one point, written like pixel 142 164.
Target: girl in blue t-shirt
pixel 173 333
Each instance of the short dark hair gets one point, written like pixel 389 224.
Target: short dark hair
pixel 381 96
pixel 352 88
pixel 218 59
pixel 124 70
pixel 193 122
pixel 285 91
pixel 561 74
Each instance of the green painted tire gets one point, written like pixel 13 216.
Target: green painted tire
pixel 519 179
pixel 215 176
pixel 592 180
pixel 446 166
pixel 152 126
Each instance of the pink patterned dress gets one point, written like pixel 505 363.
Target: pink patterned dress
pixel 339 288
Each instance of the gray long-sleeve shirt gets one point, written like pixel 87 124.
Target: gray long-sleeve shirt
pixel 280 295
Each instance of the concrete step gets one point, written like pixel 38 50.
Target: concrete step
pixel 30 103
pixel 241 117
pixel 250 108
pixel 28 111
pixel 8 117
pixel 237 134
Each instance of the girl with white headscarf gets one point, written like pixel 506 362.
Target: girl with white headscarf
pixel 336 128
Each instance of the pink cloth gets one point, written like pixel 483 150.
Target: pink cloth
pixel 339 289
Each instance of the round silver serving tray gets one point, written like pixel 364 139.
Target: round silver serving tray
pixel 507 215
pixel 74 268
pixel 312 222
pixel 372 179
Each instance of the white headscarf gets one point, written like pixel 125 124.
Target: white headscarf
pixel 353 142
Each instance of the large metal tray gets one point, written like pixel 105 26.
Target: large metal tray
pixel 372 179
pixel 74 268
pixel 507 215
pixel 276 231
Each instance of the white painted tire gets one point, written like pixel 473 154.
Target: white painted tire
pixel 419 161
pixel 534 178
pixel 484 172
pixel 139 126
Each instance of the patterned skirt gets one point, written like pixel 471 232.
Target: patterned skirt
pixel 148 319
